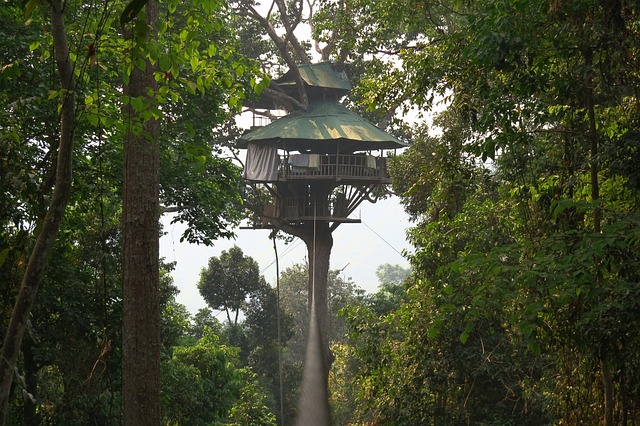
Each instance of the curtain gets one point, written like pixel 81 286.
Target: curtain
pixel 262 163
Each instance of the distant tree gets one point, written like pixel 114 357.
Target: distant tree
pixel 266 333
pixel 201 383
pixel 201 320
pixel 391 288
pixel 228 280
pixel 251 409
pixel 293 289
pixel 391 274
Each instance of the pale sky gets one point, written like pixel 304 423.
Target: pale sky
pixel 358 248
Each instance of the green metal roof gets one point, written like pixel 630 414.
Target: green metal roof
pixel 326 127
pixel 320 75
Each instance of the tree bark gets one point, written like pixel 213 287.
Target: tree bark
pixel 141 294
pixel 313 404
pixel 319 244
pixel 29 413
pixel 51 223
pixel 318 238
pixel 605 368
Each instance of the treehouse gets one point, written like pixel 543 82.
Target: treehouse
pixel 320 163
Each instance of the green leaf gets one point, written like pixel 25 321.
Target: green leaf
pixel 3 255
pixel 433 332
pixel 138 103
pixel 126 72
pixel 191 86
pixel 240 69
pixel 164 63
pixel 29 8
pixel 141 63
pixel 233 102
pixel 561 205
pixel 131 11
pixel 93 119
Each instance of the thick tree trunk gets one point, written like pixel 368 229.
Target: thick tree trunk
pixel 313 404
pixel 319 247
pixel 141 294
pixel 51 224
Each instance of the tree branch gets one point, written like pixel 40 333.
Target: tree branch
pixel 282 44
pixel 51 223
pixel 289 102
pixel 173 209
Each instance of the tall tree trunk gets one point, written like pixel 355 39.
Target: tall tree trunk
pixel 313 404
pixel 319 247
pixel 141 294
pixel 51 224
pixel 605 368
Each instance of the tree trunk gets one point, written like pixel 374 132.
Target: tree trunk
pixel 319 247
pixel 605 368
pixel 313 404
pixel 607 384
pixel 29 413
pixel 35 268
pixel 141 294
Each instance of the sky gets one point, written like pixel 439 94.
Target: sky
pixel 358 249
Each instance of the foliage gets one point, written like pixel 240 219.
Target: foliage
pixel 201 383
pixel 251 409
pixel 522 301
pixel 293 290
pixel 392 284
pixel 293 295
pixel 69 370
pixel 228 280
pixel 525 210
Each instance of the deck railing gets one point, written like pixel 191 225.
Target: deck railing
pixel 314 166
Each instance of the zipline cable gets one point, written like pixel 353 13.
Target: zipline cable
pixel 379 236
pixel 288 250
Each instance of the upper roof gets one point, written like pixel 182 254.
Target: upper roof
pixel 321 75
pixel 326 127
pixel 322 81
